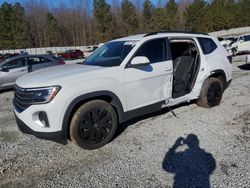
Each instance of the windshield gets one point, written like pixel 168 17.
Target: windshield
pixel 110 54
pixel 232 39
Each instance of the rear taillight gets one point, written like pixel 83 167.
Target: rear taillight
pixel 230 58
pixel 61 62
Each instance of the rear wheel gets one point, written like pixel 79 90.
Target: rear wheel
pixel 211 93
pixel 93 125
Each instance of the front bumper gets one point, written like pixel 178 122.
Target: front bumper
pixel 58 136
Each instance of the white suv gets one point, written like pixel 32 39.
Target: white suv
pixel 123 79
pixel 242 45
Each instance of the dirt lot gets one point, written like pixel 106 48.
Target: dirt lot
pixel 146 153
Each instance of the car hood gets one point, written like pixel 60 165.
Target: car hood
pixel 56 75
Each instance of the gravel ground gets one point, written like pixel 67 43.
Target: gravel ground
pixel 146 153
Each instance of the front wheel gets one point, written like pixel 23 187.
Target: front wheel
pixel 93 125
pixel 211 93
pixel 234 51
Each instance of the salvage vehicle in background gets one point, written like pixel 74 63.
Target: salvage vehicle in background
pixel 14 67
pixel 242 45
pixel 227 42
pixel 123 79
pixel 71 54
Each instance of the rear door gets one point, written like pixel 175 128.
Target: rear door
pixel 12 70
pixel 150 84
pixel 36 63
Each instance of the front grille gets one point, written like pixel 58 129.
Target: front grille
pixel 22 99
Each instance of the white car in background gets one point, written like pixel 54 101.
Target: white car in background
pixel 228 42
pixel 242 45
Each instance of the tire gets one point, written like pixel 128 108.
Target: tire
pixel 211 93
pixel 234 51
pixel 93 125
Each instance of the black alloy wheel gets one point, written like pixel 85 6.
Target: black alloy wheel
pixel 93 125
pixel 214 94
pixel 211 93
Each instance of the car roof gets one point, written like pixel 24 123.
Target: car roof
pixel 25 56
pixel 246 34
pixel 146 36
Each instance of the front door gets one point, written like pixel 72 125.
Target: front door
pixel 11 71
pixel 149 84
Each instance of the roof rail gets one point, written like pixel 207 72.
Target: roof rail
pixel 167 31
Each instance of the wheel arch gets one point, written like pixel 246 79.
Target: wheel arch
pixel 107 96
pixel 220 74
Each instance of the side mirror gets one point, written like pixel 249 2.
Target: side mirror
pixel 140 60
pixel 4 69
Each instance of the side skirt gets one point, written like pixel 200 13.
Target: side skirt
pixel 145 110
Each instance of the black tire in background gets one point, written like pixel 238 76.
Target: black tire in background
pixel 234 51
pixel 211 93
pixel 93 125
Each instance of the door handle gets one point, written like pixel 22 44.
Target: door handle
pixel 168 69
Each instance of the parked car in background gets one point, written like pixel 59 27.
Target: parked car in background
pixel 242 45
pixel 91 48
pixel 24 53
pixel 8 55
pixel 227 42
pixel 14 67
pixel 71 54
pixel 49 52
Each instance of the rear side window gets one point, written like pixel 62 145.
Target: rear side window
pixel 34 60
pixel 154 50
pixel 247 38
pixel 44 60
pixel 37 60
pixel 207 45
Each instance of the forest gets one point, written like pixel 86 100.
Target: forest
pixel 88 22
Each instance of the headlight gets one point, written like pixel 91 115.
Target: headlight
pixel 43 95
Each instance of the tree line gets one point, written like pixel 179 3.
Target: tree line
pixel 87 22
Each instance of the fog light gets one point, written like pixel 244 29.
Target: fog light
pixel 43 119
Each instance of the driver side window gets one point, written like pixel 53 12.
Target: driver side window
pixel 154 50
pixel 14 64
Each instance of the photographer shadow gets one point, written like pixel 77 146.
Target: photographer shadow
pixel 192 167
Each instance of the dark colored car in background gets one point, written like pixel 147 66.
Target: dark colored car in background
pixel 14 67
pixel 8 55
pixel 71 54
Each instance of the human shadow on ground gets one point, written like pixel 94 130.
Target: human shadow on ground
pixel 192 166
